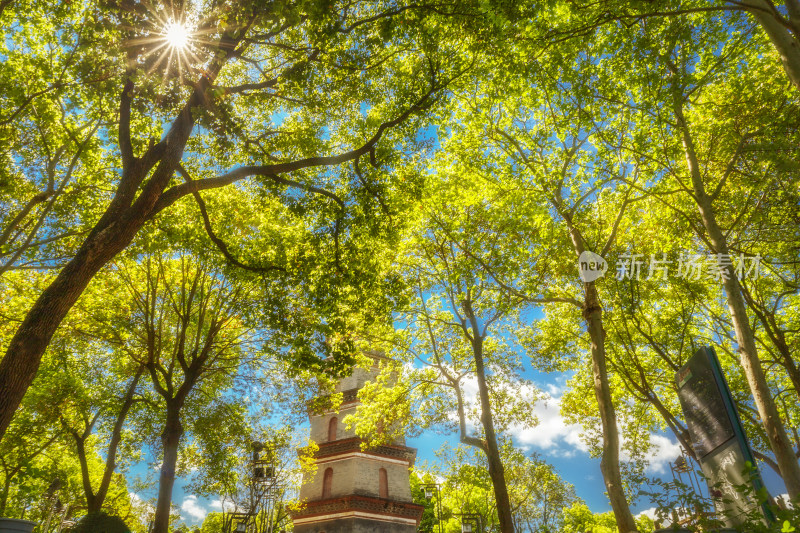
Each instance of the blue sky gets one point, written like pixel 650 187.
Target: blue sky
pixel 555 440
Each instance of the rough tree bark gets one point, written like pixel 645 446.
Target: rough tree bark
pixel 496 469
pixel 609 463
pixel 593 316
pixel 170 439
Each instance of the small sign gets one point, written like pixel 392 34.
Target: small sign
pixel 703 406
pixel 725 469
pixel 717 435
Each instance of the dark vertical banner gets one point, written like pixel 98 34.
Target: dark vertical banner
pixel 717 436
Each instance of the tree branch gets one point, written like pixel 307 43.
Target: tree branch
pixel 220 244
pixel 273 171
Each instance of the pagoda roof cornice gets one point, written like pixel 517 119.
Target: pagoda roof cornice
pixel 327 450
pixel 361 505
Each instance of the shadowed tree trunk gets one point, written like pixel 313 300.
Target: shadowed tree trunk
pixel 496 470
pixel 609 463
pixel 186 323
pixel 593 316
pixel 170 440
pixel 95 500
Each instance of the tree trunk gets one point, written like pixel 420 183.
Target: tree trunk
pixel 4 494
pixel 748 356
pixel 21 362
pixel 170 439
pixel 80 445
pixel 782 39
pixel 748 353
pixel 96 503
pixel 121 221
pixel 496 470
pixel 777 337
pixel 609 463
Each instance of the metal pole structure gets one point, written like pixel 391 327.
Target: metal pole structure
pixel 52 509
pixel 63 516
pixel 50 498
pixel 439 505
pixel 429 488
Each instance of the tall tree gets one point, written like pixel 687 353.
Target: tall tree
pixel 553 154
pixel 460 332
pixel 275 80
pixel 538 493
pixel 187 325
pixel 103 384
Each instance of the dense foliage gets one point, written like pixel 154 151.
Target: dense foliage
pixel 209 208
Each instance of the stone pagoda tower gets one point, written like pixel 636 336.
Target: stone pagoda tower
pixel 355 491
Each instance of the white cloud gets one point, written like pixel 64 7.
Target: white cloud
pixel 665 451
pixel 650 513
pixel 140 504
pixel 142 508
pixel 553 390
pixel 662 452
pixel 557 437
pixel 192 508
pixel 552 433
pixel 219 505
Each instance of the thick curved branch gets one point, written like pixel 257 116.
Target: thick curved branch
pixel 220 244
pixel 125 146
pixel 273 171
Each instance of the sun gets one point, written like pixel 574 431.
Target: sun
pixel 177 35
pixel 174 44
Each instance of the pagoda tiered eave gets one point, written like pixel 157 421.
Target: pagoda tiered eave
pixel 340 449
pixel 356 506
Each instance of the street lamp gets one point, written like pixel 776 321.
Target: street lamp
pixel 430 489
pixel 263 465
pixel 238 522
pixel 471 523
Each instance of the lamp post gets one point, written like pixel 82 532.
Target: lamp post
pixel 431 489
pixel 239 522
pixel 471 523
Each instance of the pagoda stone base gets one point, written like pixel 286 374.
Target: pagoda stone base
pixel 354 525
